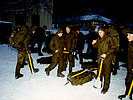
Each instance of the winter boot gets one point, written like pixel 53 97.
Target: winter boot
pixel 60 75
pixel 35 70
pixel 40 54
pixel 47 72
pixel 19 76
pixel 17 72
pixel 131 97
pixel 103 91
pixel 122 96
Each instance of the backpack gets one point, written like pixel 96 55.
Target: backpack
pixel 80 77
pixel 17 37
pixel 115 36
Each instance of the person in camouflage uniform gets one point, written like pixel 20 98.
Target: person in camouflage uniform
pixel 22 52
pixel 129 76
pixel 106 50
pixel 56 45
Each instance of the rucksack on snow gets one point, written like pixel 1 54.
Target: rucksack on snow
pixel 17 37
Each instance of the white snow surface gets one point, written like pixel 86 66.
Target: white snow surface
pixel 38 86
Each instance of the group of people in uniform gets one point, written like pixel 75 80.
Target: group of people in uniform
pixel 64 46
pixel 66 43
pixel 108 49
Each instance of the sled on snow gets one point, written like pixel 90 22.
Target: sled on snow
pixel 81 77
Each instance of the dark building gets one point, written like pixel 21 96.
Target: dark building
pixel 29 12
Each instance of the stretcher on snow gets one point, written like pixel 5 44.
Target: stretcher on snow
pixel 80 77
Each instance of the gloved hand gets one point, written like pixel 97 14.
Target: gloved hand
pixel 56 51
pixel 28 52
pixel 73 53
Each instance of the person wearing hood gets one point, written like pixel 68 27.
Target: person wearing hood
pixel 56 45
pixel 106 50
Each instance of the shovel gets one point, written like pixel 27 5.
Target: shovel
pixel 30 62
pixel 97 81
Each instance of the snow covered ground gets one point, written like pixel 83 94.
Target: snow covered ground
pixel 38 86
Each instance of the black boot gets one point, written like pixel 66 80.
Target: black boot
pixel 19 76
pixel 131 96
pixel 103 91
pixel 40 54
pixel 47 72
pixel 114 72
pixel 17 72
pixel 36 70
pixel 122 96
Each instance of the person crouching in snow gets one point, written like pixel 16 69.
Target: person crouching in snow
pixel 106 50
pixel 129 77
pixel 56 45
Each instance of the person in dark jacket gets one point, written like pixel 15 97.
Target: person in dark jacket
pixel 49 36
pixel 80 41
pixel 39 38
pixel 70 46
pixel 129 77
pixel 91 51
pixel 56 45
pixel 106 50
pixel 22 53
pixel 123 53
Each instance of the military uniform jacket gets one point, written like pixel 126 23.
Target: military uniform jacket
pixel 130 54
pixel 105 46
pixel 56 44
pixel 70 41
pixel 25 35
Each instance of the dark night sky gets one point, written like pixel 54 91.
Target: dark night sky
pixel 117 9
pixel 120 9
